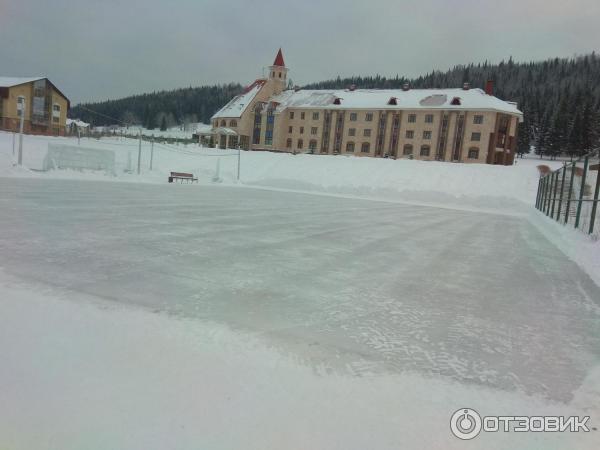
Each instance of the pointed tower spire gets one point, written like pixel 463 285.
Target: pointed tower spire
pixel 279 59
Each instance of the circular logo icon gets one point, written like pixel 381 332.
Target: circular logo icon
pixel 465 423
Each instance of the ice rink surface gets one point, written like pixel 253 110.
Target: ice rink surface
pixel 343 285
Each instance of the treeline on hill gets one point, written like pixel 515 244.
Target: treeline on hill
pixel 159 109
pixel 560 99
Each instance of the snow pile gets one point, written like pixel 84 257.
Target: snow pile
pixel 476 185
pixel 437 183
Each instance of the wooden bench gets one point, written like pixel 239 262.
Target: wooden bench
pixel 182 176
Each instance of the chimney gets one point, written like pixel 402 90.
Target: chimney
pixel 352 87
pixel 489 87
pixel 406 87
pixel 466 86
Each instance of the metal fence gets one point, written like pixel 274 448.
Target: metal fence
pixel 569 195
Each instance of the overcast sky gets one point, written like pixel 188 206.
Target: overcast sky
pixel 100 49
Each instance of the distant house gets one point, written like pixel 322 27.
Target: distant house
pixel 75 126
pixel 45 106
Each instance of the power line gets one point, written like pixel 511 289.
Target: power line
pixel 104 115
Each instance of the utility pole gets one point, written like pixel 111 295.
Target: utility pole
pixel 139 153
pixel 20 160
pixel 78 136
pixel 152 152
pixel 239 160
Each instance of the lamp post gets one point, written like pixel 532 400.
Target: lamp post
pixel 20 158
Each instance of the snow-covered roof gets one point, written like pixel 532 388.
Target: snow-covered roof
pixel 236 107
pixel 225 130
pixel 79 123
pixel 394 99
pixel 15 81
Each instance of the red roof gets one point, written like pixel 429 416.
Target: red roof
pixel 279 59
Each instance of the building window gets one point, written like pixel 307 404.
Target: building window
pixel 302 115
pixel 268 137
pixel 233 123
pixel 257 123
pixel 478 119
pixel 428 118
pixel 425 150
pixel 473 153
pixel 223 123
pixel 412 118
pixel 312 145
pixel 56 107
pixel 314 130
pixel 300 144
pixel 367 132
pixel 351 131
pixel 426 134
pixel 316 116
pixel 290 129
pixel 369 117
pixel 270 126
pixel 476 137
pixel 353 117
pixel 350 147
pixel 55 119
pixel 288 143
pixel 291 114
pixel 301 130
pixel 365 148
pixel 408 149
pixel 410 134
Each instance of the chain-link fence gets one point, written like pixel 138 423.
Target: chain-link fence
pixel 569 195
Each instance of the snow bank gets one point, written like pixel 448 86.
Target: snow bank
pixel 578 246
pixel 81 373
pixel 483 186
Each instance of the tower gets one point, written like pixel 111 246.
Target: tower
pixel 278 74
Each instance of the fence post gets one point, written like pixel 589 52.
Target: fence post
pixel 551 185
pixel 553 193
pixel 581 191
pixel 595 203
pixel 543 203
pixel 562 190
pixel 548 191
pixel 543 196
pixel 539 190
pixel 568 210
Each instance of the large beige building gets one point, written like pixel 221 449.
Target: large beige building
pixel 462 125
pixel 45 107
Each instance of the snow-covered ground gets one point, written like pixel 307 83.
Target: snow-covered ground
pixel 148 315
pixel 460 185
